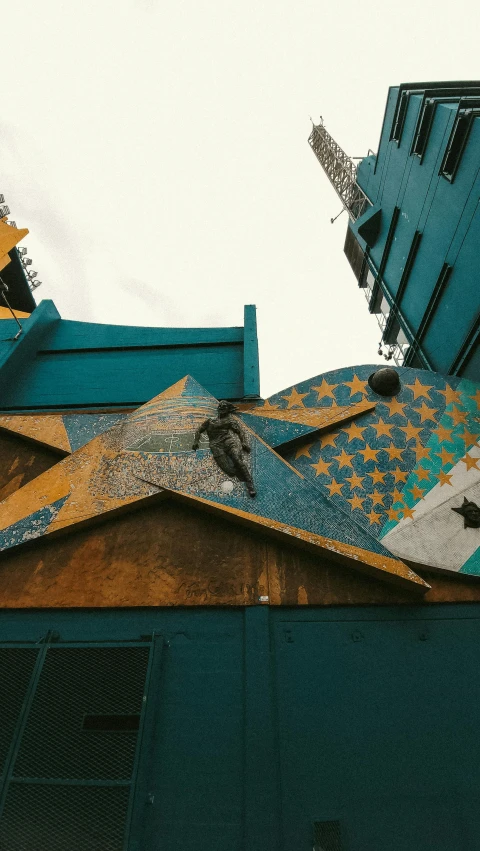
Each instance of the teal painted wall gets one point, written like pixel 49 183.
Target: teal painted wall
pixel 58 364
pixel 259 722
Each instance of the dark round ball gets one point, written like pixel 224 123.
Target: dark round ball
pixel 385 381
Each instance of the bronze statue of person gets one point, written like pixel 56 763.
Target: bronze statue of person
pixel 228 440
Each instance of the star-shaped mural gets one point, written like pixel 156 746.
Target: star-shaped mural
pixel 147 455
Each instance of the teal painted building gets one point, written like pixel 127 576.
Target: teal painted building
pixel 414 248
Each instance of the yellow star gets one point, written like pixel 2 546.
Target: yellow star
pixel 444 478
pixel 420 451
pixel 356 502
pixel 469 438
pixel 325 389
pixel 343 459
pixel 395 407
pixel 419 390
pixel 443 433
pixel 451 395
pixel 425 413
pixel 295 399
pixel 446 457
pixel 304 450
pixel 397 496
pixel 355 481
pixel 471 462
pixel 356 385
pixel 393 514
pixel 417 492
pixel 422 474
pixel 377 498
pixel 369 454
pixel 394 452
pixel 377 476
pixel 411 431
pixel 383 428
pixel 457 415
pixel 373 517
pixel 329 439
pixel 354 432
pixel 399 475
pixel 408 512
pixel 321 467
pixel 267 406
pixel 335 488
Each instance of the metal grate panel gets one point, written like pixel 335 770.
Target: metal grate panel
pixel 64 818
pixel 327 836
pixel 16 668
pixel 76 682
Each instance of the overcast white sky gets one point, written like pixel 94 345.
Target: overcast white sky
pixel 157 151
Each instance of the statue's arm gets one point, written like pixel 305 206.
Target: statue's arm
pixel 237 426
pixel 198 432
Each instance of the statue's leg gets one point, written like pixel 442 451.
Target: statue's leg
pixel 243 472
pixel 224 461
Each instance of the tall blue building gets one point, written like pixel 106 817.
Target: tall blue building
pixel 414 231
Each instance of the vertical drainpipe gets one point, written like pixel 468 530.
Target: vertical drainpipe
pixel 251 370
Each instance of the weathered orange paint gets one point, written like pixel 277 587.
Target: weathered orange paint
pixel 47 430
pixel 173 555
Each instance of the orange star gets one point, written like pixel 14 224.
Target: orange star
pixel 443 433
pixel 295 400
pixel 422 474
pixel 321 467
pixel 395 407
pixel 444 478
pixel 393 514
pixel 426 413
pixel 417 492
pixel 469 438
pixel 397 496
pixel 377 498
pixel 356 385
pixel 411 431
pixel 267 406
pixel 355 481
pixel 335 488
pixel 451 395
pixel 383 428
pixel 373 517
pixel 476 398
pixel 446 457
pixel 377 476
pixel 343 459
pixel 329 439
pixel 394 452
pixel 457 415
pixel 471 462
pixel 399 475
pixel 369 454
pixel 325 389
pixel 356 502
pixel 420 451
pixel 419 390
pixel 354 432
pixel 408 512
pixel 304 450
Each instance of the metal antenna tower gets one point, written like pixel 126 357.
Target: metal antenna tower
pixel 340 170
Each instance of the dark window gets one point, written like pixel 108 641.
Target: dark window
pixel 456 144
pixel 423 128
pixel 354 254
